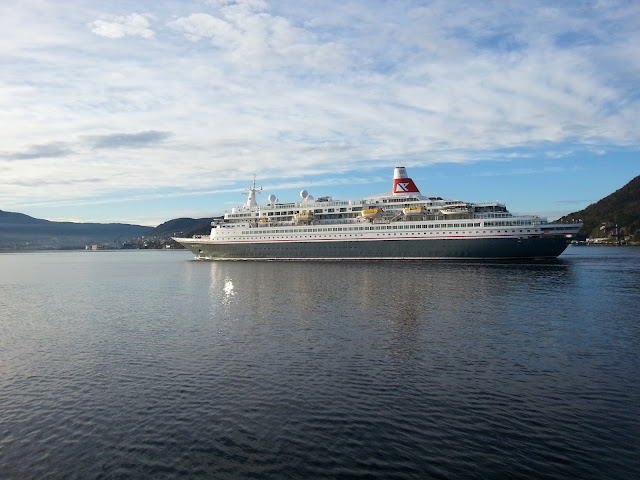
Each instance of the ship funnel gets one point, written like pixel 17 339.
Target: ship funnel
pixel 402 183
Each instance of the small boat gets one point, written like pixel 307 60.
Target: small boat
pixel 374 212
pixel 456 209
pixel 304 217
pixel 408 211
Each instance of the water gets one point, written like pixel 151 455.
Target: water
pixel 150 365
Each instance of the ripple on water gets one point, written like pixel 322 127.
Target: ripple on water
pixel 152 366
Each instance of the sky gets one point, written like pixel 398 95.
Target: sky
pixel 140 111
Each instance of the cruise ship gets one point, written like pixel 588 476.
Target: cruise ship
pixel 401 225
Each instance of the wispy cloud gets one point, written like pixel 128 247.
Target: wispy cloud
pixel 130 140
pixel 246 33
pixel 112 26
pixel 521 171
pixel 51 150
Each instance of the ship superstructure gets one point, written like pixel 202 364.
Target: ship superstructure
pixel 401 225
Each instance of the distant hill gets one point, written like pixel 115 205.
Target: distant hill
pixel 161 236
pixel 621 207
pixel 183 227
pixel 12 218
pixel 19 232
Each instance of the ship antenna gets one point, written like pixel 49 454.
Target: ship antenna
pixel 251 195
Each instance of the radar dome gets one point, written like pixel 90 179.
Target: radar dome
pixel 272 198
pixel 309 198
pixel 304 194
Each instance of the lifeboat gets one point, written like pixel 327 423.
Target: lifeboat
pixel 372 212
pixel 456 209
pixel 304 217
pixel 414 210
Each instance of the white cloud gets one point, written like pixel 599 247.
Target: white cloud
pixel 252 37
pixel 257 5
pixel 202 25
pixel 133 25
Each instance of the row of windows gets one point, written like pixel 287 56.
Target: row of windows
pixel 292 205
pixel 293 212
pixel 261 231
pixel 343 235
pixel 513 223
pixel 317 210
pixel 357 209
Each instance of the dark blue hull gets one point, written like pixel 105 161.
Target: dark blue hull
pixel 534 247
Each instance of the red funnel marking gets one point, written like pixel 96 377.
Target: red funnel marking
pixel 404 185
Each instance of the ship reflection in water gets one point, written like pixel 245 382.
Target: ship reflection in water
pixel 412 302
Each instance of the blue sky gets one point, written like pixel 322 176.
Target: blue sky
pixel 144 111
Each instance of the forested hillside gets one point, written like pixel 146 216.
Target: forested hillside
pixel 19 231
pixel 621 207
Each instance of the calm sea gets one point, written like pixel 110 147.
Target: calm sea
pixel 150 365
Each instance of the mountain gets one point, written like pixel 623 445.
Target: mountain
pixel 161 236
pixel 19 231
pixel 19 219
pixel 183 227
pixel 621 207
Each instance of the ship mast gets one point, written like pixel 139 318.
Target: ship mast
pixel 251 195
